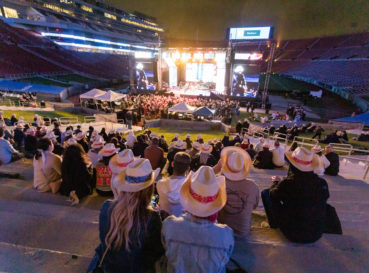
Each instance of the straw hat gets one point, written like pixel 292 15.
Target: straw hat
pixel 71 141
pixel 179 144
pixel 19 126
pixel 203 194
pixel 188 136
pixel 50 135
pixel 154 135
pixel 120 161
pixel 316 149
pixel 98 143
pixel 302 159
pixel 30 131
pixel 236 163
pixel 136 177
pixel 196 145
pixel 108 150
pixel 80 136
pixel 68 133
pixel 206 148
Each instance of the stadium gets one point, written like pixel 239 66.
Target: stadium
pixel 125 124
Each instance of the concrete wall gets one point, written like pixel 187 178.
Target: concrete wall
pixel 187 124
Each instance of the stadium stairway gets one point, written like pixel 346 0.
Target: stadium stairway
pixel 43 233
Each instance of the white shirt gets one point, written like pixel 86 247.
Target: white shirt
pixel 278 156
pixel 259 146
pixel 323 163
pixel 168 190
pixel 6 151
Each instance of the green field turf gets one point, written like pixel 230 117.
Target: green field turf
pixel 28 115
pixel 39 80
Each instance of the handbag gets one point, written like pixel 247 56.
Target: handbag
pixel 99 269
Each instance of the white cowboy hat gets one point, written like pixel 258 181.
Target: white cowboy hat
pixel 50 135
pixel 136 177
pixel 198 137
pixel 203 194
pixel 19 126
pixel 236 163
pixel 108 150
pixel 180 145
pixel 120 161
pixel 317 149
pixel 176 135
pixel 2 124
pixel 98 143
pixel 154 135
pixel 188 136
pixel 68 133
pixel 80 136
pixel 206 148
pixel 266 145
pixel 30 131
pixel 71 141
pixel 196 145
pixel 302 159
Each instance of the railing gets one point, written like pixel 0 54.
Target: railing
pixel 66 121
pixel 305 141
pixel 342 148
pixel 88 119
pixel 361 162
pixel 280 137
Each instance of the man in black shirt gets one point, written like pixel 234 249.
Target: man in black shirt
pixel 333 158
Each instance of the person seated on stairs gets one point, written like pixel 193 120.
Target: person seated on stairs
pixel 195 242
pixel 103 171
pixel 7 152
pixel 130 230
pixel 322 161
pixel 264 158
pixel 94 153
pixel 30 143
pixel 334 166
pixel 297 204
pixel 278 155
pixel 242 194
pixel 46 167
pixel 77 173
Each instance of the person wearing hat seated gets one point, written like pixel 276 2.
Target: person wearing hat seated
pixel 130 231
pixel 163 144
pixel 251 151
pixel 94 153
pixel 204 158
pixel 103 172
pixel 168 188
pixel 176 136
pixel 334 160
pixel 80 137
pixel 154 153
pixel 178 146
pixel 46 167
pixel 19 136
pixel 77 173
pixel 188 142
pixel 264 158
pixel 322 161
pixel 7 152
pixel 140 146
pixel 259 145
pixel 218 146
pixel 278 155
pixel 195 242
pixel 117 164
pixel 297 204
pixel 242 194
pixel 58 149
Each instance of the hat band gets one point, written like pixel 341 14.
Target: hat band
pixel 138 179
pixel 205 150
pixel 203 199
pixel 125 164
pixel 97 144
pixel 301 161
pixel 109 152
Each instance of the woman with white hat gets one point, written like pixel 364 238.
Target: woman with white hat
pixel 297 204
pixel 195 242
pixel 322 161
pixel 81 139
pixel 93 153
pixel 204 158
pixel 178 146
pixel 129 229
pixel 103 172
pixel 242 194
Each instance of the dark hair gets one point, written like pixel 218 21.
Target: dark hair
pixel 106 159
pixel 1 132
pixel 181 162
pixel 189 143
pixel 251 146
pixel 74 160
pixel 42 144
pixel 114 140
pixel 293 146
pixel 154 141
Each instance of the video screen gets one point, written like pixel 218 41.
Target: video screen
pixel 245 80
pixel 201 72
pixel 145 79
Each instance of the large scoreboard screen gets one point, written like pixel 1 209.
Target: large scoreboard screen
pixel 250 33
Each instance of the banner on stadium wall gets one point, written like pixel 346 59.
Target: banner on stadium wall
pixel 250 33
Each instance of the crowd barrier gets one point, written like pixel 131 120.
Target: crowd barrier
pixel 66 121
pixel 305 141
pixel 360 162
pixel 88 119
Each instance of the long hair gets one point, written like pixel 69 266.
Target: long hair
pixel 74 159
pixel 42 144
pixel 128 214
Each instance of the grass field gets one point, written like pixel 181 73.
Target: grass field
pixel 39 80
pixel 28 115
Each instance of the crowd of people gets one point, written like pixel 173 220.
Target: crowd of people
pixel 177 205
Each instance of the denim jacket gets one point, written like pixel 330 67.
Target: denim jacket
pixel 196 245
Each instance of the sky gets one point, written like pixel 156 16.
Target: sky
pixel 208 20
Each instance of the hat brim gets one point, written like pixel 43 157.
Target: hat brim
pixel 208 151
pixel 121 184
pixel 231 175
pixel 108 154
pixel 202 209
pixel 301 167
pixel 113 164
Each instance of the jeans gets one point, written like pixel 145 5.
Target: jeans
pixel 272 209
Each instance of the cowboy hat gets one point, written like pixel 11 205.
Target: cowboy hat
pixel 188 136
pixel 19 126
pixel 317 149
pixel 71 141
pixel 68 133
pixel 120 161
pixel 136 177
pixel 266 145
pixel 108 150
pixel 154 135
pixel 80 136
pixel 30 131
pixel 206 148
pixel 196 145
pixel 179 144
pixel 302 159
pixel 203 194
pixel 98 143
pixel 236 163
pixel 50 135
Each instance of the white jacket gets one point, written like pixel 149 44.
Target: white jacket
pixel 323 163
pixel 168 190
pixel 278 156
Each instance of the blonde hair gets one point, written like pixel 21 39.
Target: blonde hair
pixel 129 211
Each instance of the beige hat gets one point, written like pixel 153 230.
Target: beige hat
pixel 203 194
pixel 154 135
pixel 120 161
pixel 98 143
pixel 206 148
pixel 80 136
pixel 179 144
pixel 136 177
pixel 71 141
pixel 302 159
pixel 19 126
pixel 316 149
pixel 30 131
pixel 236 163
pixel 50 135
pixel 108 150
pixel 196 145
pixel 68 133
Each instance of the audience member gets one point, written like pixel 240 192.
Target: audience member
pixel 334 160
pixel 264 158
pixel 103 172
pixel 30 143
pixel 94 153
pixel 139 146
pixel 251 151
pixel 259 145
pixel 204 158
pixel 154 153
pixel 7 152
pixel 178 146
pixel 278 155
pixel 322 161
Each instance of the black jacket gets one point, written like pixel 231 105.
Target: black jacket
pixel 334 167
pixel 264 160
pixel 303 197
